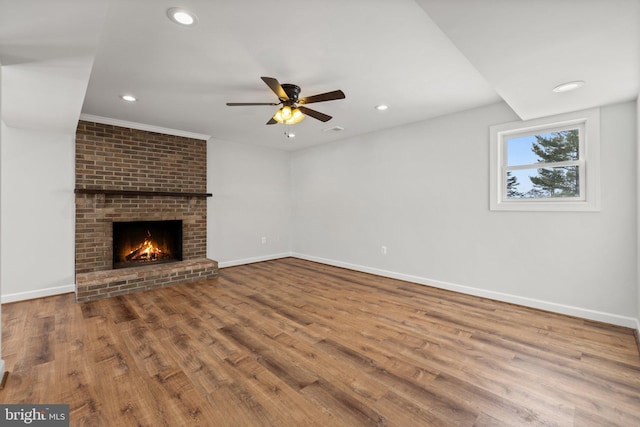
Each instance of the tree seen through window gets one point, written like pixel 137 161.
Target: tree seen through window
pixel 543 165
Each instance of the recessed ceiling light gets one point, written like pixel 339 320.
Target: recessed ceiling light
pixel 129 98
pixel 182 16
pixel 381 107
pixel 569 86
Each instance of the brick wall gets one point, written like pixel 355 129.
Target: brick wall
pixel 115 158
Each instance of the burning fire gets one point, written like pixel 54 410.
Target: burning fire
pixel 146 251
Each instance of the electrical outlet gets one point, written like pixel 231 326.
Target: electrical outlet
pixel 383 250
pixel 264 240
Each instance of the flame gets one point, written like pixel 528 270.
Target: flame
pixel 146 251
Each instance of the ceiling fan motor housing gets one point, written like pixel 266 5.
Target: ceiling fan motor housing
pixel 292 92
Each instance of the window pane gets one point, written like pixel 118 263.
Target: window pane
pixel 543 183
pixel 543 148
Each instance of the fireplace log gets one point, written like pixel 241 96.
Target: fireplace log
pixel 135 254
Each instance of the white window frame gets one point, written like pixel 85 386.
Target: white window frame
pixel 588 123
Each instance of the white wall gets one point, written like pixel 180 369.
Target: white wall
pixel 1 134
pixel 423 192
pixel 250 187
pixel 638 212
pixel 37 213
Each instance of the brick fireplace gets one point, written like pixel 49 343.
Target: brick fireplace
pixel 127 175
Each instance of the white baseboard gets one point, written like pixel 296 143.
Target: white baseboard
pixel 38 293
pixel 614 319
pixel 233 263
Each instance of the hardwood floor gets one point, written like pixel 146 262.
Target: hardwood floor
pixel 295 343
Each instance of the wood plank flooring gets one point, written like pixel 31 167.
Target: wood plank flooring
pixel 295 343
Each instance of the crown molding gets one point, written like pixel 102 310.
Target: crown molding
pixel 142 126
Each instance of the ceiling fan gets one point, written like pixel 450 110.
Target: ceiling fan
pixel 293 109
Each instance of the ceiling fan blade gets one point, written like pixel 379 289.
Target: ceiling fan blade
pixel 315 114
pixel 272 121
pixel 276 87
pixel 329 96
pixel 242 104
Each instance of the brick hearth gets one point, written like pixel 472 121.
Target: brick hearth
pixel 111 283
pixel 117 162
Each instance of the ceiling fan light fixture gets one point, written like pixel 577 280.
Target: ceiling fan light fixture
pixel 288 116
pixel 286 112
pixel 296 116
pixel 182 16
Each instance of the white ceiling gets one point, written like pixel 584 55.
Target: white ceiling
pixel 424 58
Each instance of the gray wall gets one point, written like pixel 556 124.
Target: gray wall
pixel 423 192
pixel 37 219
pixel 2 126
pixel 638 212
pixel 251 188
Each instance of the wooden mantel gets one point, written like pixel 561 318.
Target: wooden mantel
pixel 139 193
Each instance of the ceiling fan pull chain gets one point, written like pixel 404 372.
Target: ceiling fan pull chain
pixel 288 134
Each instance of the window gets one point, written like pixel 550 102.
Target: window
pixel 549 164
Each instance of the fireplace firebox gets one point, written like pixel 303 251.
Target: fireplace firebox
pixel 140 243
